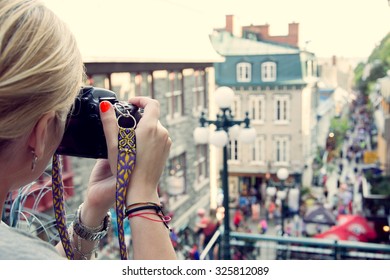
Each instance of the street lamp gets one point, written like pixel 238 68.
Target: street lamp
pixel 226 127
pixel 282 175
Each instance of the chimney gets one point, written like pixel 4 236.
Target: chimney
pixel 293 33
pixel 334 60
pixel 230 24
pixel 263 30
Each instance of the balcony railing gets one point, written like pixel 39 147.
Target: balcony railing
pixel 267 247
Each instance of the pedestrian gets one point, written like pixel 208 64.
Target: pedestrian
pixel 271 210
pixel 207 234
pixel 238 218
pixel 194 253
pixel 201 220
pixel 263 226
pixel 324 180
pixel 326 192
pixel 41 75
pixel 341 165
pixel 256 209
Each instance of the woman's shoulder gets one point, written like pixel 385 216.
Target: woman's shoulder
pixel 16 244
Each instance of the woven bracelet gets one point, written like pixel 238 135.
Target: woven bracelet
pixel 142 203
pixel 155 207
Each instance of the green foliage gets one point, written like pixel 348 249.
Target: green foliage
pixel 339 126
pixel 379 60
pixel 379 184
pixel 305 190
pixel 359 72
pixel 382 52
pixel 377 71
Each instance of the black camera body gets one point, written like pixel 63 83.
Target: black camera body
pixel 84 135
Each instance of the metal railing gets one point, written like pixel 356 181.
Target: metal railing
pixel 266 247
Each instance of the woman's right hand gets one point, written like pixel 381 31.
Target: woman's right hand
pixel 151 239
pixel 152 149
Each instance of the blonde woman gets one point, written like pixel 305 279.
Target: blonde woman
pixel 41 72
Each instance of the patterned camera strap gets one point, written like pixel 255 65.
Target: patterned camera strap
pixel 59 206
pixel 126 163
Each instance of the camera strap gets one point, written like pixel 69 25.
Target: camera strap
pixel 59 206
pixel 125 166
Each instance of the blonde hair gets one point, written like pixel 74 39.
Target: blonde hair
pixel 41 68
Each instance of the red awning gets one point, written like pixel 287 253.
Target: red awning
pixel 350 227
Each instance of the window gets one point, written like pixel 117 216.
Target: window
pixel 257 108
pixel 309 67
pixel 282 109
pixel 281 149
pixel 236 107
pixel 268 71
pixel 175 95
pixel 258 150
pixel 143 84
pixel 201 162
pixel 101 81
pixel 234 151
pixel 199 90
pixel 177 175
pixel 120 84
pixel 244 72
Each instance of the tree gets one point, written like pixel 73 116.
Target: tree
pixel 379 60
pixel 382 52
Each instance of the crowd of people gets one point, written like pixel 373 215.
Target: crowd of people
pixel 350 167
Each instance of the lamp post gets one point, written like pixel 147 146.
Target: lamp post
pixel 226 127
pixel 282 175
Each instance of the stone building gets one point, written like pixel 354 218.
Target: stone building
pixel 276 82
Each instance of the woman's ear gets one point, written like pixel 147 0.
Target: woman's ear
pixel 37 140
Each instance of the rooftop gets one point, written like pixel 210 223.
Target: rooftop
pixel 227 44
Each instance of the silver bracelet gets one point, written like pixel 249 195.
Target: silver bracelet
pixel 90 233
pixel 78 250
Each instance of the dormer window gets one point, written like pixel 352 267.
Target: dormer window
pixel 244 72
pixel 268 71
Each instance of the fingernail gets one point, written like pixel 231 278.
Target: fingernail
pixel 104 106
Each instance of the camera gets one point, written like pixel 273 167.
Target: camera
pixel 84 135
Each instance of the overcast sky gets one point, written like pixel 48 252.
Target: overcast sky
pixel 348 28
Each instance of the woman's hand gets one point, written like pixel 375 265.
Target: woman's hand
pixel 152 149
pixel 153 145
pixel 150 238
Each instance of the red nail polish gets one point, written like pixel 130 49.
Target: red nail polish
pixel 104 106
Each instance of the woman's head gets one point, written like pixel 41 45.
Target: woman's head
pixel 41 69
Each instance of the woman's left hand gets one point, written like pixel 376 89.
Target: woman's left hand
pixel 101 187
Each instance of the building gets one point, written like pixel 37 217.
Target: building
pixel 381 101
pixel 275 82
pixel 336 72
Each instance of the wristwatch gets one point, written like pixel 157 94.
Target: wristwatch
pixel 89 233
